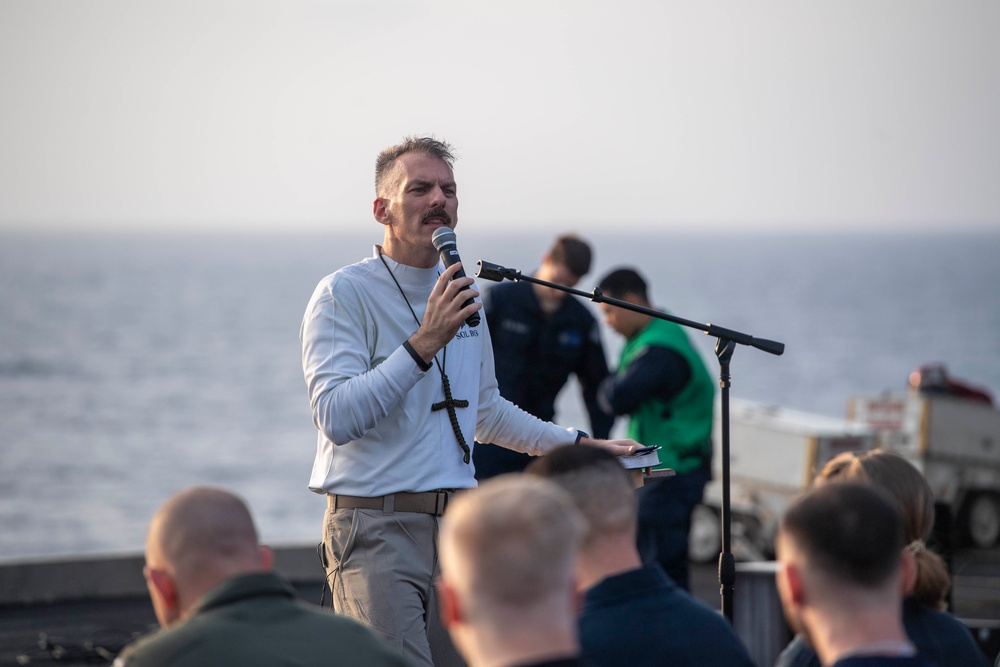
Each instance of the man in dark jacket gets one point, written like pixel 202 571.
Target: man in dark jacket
pixel 633 614
pixel 541 336
pixel 220 604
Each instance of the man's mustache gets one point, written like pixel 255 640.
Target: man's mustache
pixel 437 213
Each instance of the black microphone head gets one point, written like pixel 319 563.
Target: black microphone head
pixel 443 237
pixel 491 271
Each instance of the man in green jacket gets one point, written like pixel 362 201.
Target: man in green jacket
pixel 663 385
pixel 220 604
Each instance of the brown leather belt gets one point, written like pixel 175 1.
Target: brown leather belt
pixel 428 502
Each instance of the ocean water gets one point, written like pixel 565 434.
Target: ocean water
pixel 132 366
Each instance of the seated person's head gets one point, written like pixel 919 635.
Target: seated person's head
pixel 508 551
pixel 840 547
pixel 599 485
pixel 197 539
pixel 896 476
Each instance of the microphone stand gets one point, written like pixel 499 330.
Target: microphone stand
pixel 726 341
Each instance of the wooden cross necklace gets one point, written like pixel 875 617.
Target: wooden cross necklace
pixel 449 403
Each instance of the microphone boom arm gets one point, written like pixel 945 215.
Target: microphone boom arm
pixel 497 273
pixel 724 347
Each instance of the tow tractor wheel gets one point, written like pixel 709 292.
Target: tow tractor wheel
pixel 983 520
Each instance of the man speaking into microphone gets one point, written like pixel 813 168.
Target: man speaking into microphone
pixel 400 386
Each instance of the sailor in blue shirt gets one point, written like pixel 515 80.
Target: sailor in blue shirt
pixel 633 614
pixel 540 337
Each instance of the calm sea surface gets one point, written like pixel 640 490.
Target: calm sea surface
pixel 133 366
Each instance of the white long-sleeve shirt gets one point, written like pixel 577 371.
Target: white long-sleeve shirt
pixel 372 403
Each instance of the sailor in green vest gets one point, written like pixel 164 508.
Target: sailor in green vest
pixel 664 387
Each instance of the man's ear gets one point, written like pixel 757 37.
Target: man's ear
pixel 162 583
pixel 266 558
pixel 379 211
pixel 449 606
pixel 163 591
pixel 790 579
pixel 578 598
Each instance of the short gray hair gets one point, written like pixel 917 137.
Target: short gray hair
pixel 511 542
pixel 387 158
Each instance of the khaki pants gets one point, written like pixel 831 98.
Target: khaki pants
pixel 381 569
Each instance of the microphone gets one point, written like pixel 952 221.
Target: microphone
pixel 496 273
pixel 444 240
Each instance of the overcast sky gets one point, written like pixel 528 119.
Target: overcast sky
pixel 121 114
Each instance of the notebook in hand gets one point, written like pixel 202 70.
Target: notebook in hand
pixel 644 457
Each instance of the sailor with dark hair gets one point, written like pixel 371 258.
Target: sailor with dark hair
pixel 541 336
pixel 937 634
pixel 842 573
pixel 633 614
pixel 663 385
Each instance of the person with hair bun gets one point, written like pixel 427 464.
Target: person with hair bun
pixel 894 474
pixel 938 635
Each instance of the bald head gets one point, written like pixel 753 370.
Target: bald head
pixel 198 538
pixel 200 525
pixel 507 589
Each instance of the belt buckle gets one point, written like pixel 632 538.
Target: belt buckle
pixel 440 502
